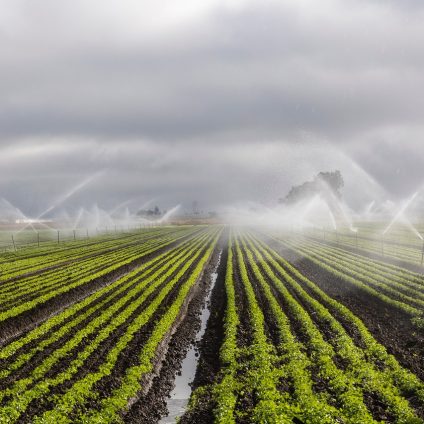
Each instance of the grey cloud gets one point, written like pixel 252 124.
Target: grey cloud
pixel 270 69
pixel 189 111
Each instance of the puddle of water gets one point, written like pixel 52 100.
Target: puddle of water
pixel 176 408
pixel 178 400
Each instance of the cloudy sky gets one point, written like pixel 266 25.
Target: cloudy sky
pixel 219 101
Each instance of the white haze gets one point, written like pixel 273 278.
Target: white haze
pixel 226 103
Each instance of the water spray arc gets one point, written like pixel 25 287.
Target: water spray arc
pixel 401 212
pixel 168 214
pixel 65 197
pixel 69 194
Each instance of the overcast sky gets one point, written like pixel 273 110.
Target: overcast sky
pixel 219 101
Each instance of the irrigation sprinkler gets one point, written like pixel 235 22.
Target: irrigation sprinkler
pixel 38 239
pixel 382 245
pixel 337 237
pixel 422 254
pixel 87 233
pixel 74 235
pixel 58 237
pixel 14 245
pixel 356 239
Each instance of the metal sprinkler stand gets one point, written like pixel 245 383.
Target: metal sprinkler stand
pixel 422 254
pixel 14 244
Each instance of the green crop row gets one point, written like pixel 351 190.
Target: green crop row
pixel 296 365
pixel 32 287
pixel 52 249
pixel 388 246
pixel 101 327
pixel 399 304
pixel 59 326
pixel 410 382
pixel 225 392
pixel 391 286
pixel 24 263
pixel 260 366
pixel 359 370
pixel 131 383
pixel 61 267
pixel 274 378
pixel 125 260
pixel 410 278
pixel 62 258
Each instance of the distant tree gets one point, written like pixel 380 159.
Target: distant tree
pixel 149 212
pixel 333 180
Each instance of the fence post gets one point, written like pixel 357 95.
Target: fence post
pixel 14 245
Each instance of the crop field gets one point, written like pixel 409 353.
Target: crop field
pixel 400 243
pixel 292 353
pixel 299 330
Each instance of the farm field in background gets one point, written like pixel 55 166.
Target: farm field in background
pixel 400 242
pixel 311 326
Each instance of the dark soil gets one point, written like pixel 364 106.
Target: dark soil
pixel 126 359
pixel 151 406
pixel 245 400
pixel 35 360
pixel 15 326
pixel 391 327
pixel 209 363
pixel 374 403
pixel 81 258
pixel 320 385
pixel 374 256
pixel 88 267
pixel 378 408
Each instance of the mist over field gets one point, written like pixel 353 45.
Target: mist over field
pixel 223 103
pixel 212 212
